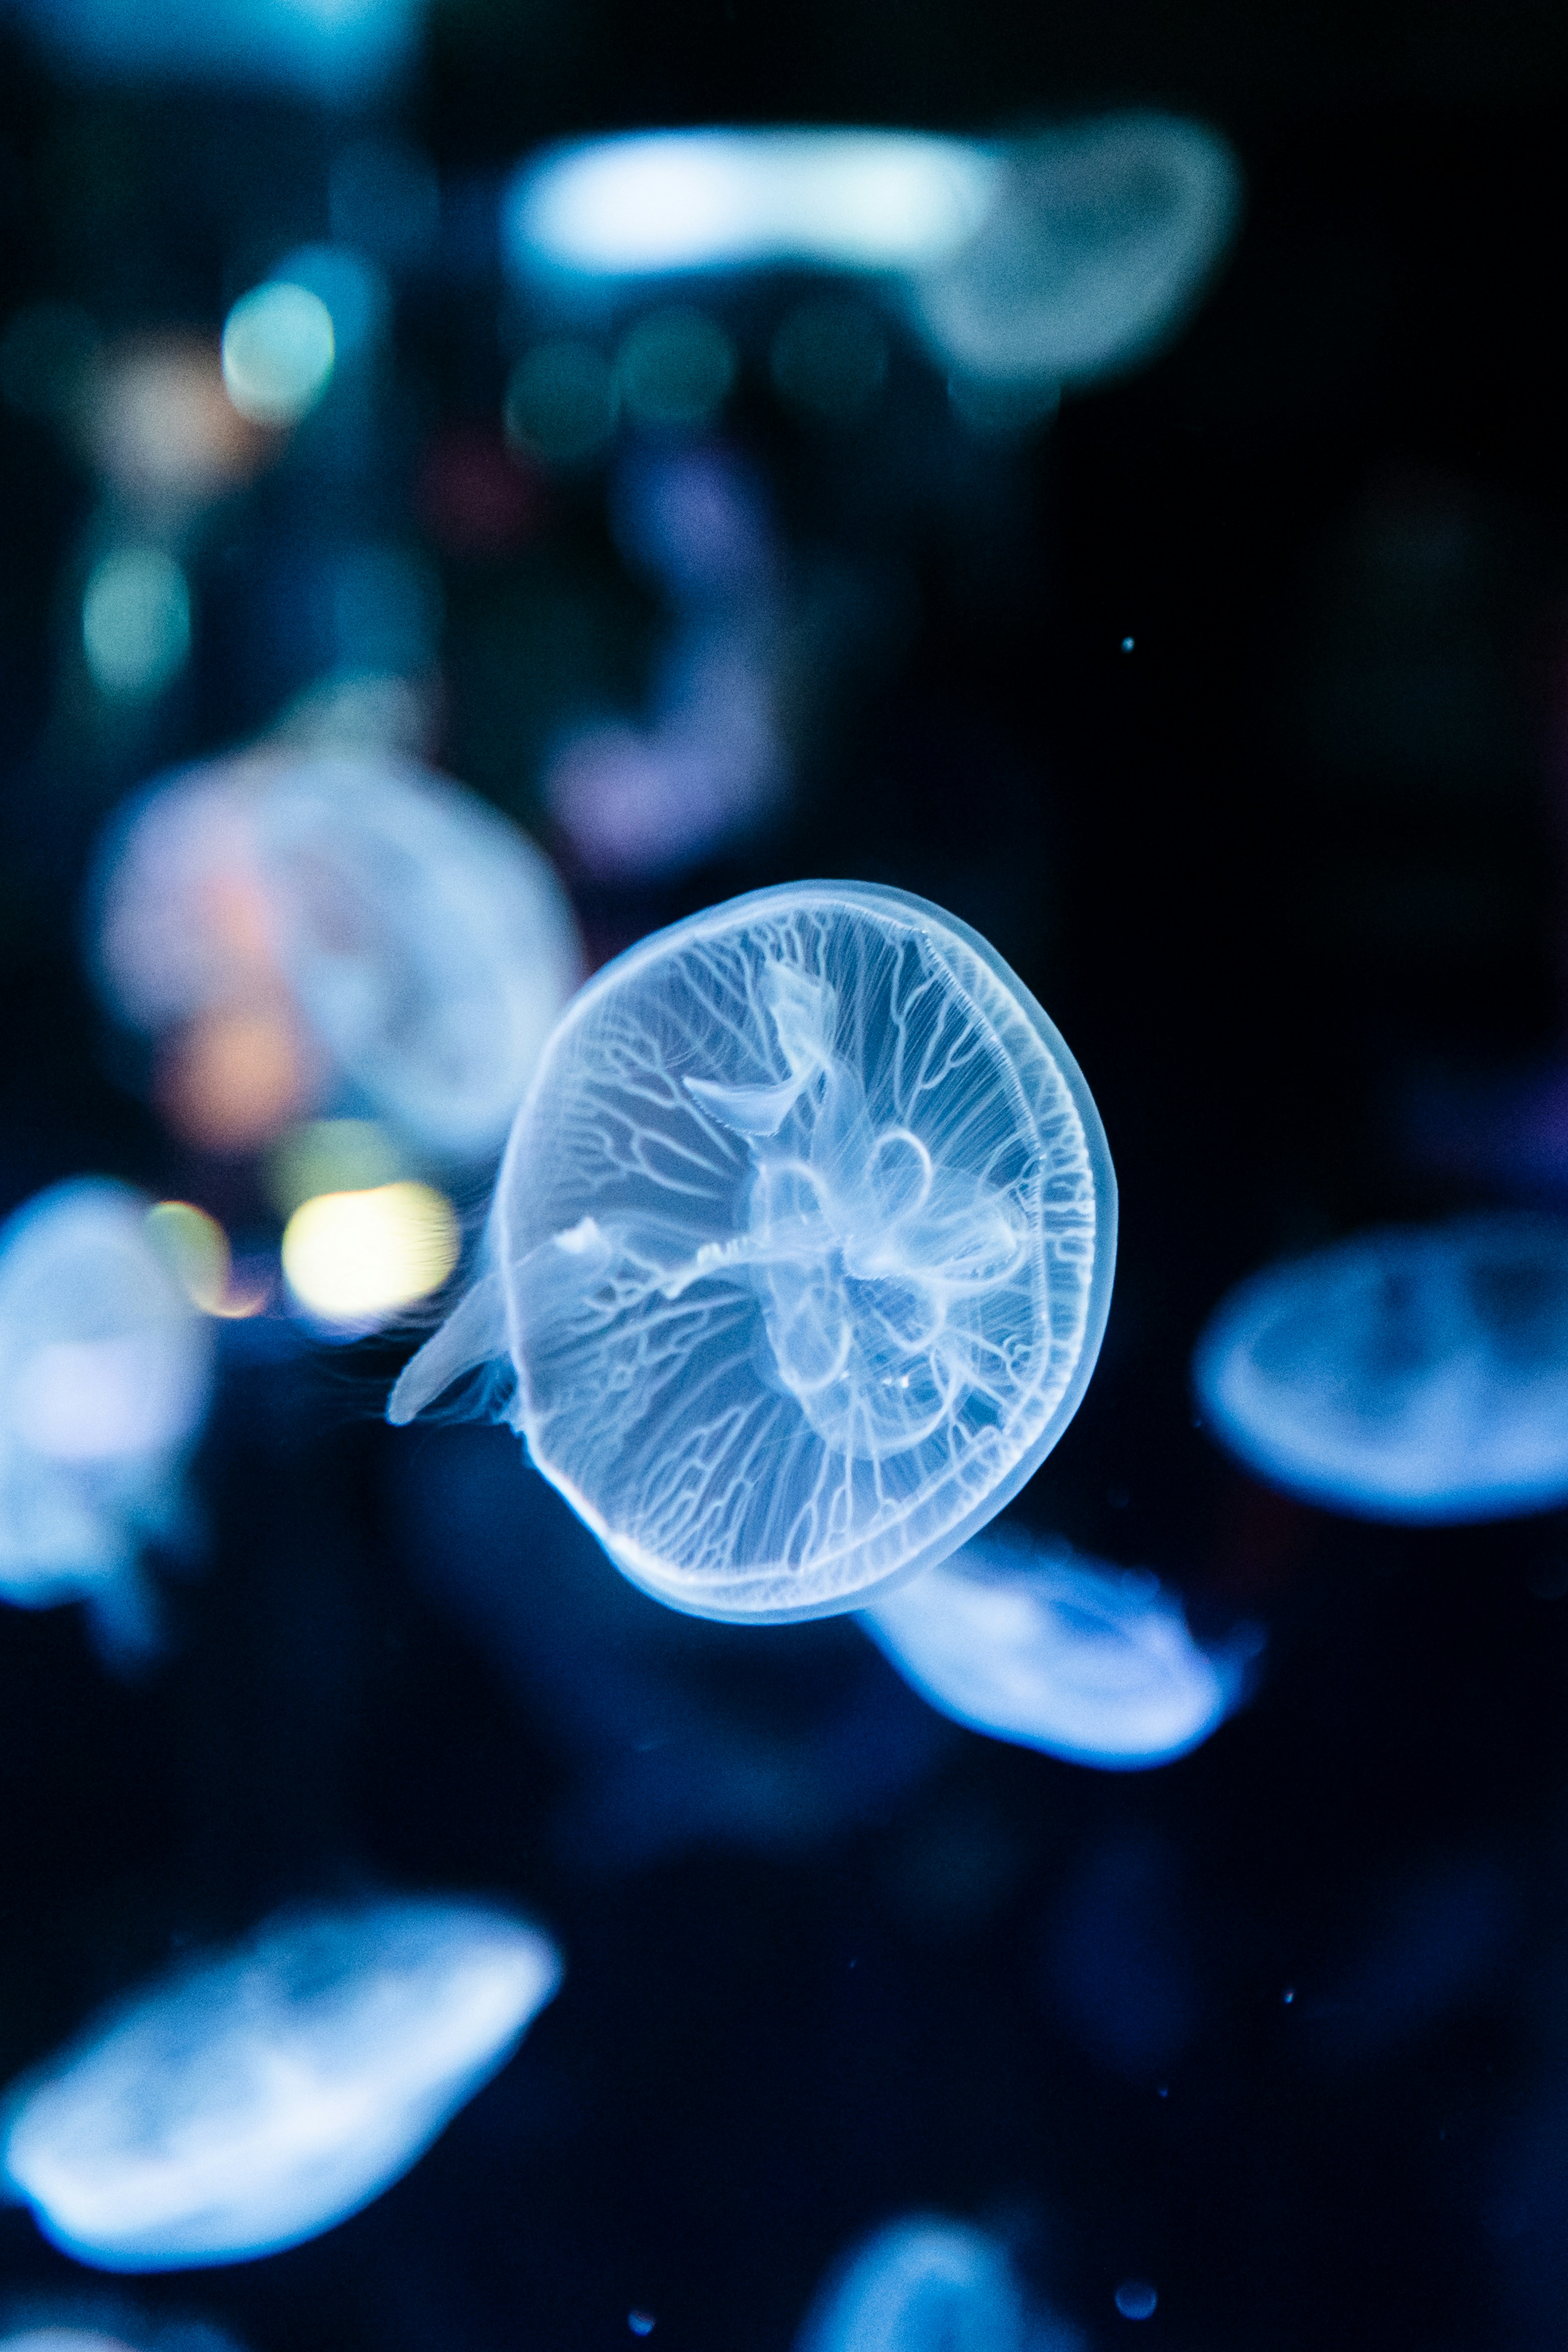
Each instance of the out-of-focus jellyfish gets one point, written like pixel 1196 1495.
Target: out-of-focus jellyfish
pixel 271 2091
pixel 105 1376
pixel 709 765
pixel 341 52
pixel 657 203
pixel 1049 260
pixel 1417 1373
pixel 927 2285
pixel 801 1252
pixel 1030 1642
pixel 307 933
pixel 1100 239
pixel 101 2322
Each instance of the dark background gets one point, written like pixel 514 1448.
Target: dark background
pixel 1281 2028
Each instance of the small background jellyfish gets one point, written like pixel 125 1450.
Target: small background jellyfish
pixel 106 1370
pixel 331 932
pixel 804 1241
pixel 926 2284
pixel 266 2093
pixel 1024 266
pixel 1417 1373
pixel 1031 1642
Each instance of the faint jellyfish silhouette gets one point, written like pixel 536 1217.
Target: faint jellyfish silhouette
pixel 326 931
pixel 1418 1374
pixel 801 1251
pixel 1031 1642
pixel 101 2323
pixel 105 1378
pixel 268 2092
pixel 927 2284
pixel 1100 239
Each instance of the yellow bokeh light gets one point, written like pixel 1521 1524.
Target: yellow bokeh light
pixel 195 1249
pixel 355 1257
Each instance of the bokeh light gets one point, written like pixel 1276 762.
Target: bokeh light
pixel 354 1258
pixel 136 622
pixel 278 350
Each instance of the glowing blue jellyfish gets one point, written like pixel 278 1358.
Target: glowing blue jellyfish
pixel 269 2091
pixel 926 2284
pixel 410 949
pixel 1050 260
pixel 800 1251
pixel 1032 1642
pixel 1417 1373
pixel 1100 237
pixel 105 1378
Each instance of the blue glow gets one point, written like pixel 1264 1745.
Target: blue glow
pixel 801 1249
pixel 1030 1642
pixel 105 1376
pixel 1136 2299
pixel 925 2284
pixel 1100 239
pixel 667 201
pixel 272 2090
pixel 424 944
pixel 340 51
pixel 1417 1373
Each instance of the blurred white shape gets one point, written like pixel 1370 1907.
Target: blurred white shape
pixel 677 200
pixel 269 2091
pixel 135 621
pixel 1100 237
pixel 162 427
pixel 279 350
pixel 423 945
pixel 354 1258
pixel 1418 1374
pixel 927 2284
pixel 337 51
pixel 1029 1641
pixel 105 1375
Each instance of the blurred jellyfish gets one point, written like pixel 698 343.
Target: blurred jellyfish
pixel 306 932
pixel 926 2284
pixel 105 1376
pixel 800 1251
pixel 339 51
pixel 709 765
pixel 1417 1373
pixel 1098 241
pixel 101 2323
pixel 1030 1642
pixel 271 2091
pixel 661 202
pixel 1049 260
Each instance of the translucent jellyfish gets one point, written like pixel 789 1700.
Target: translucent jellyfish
pixel 1031 1642
pixel 1417 1373
pixel 328 931
pixel 1100 239
pixel 800 1251
pixel 926 2284
pixel 105 1378
pixel 1049 260
pixel 270 2091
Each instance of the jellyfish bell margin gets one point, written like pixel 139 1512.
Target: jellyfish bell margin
pixel 801 1252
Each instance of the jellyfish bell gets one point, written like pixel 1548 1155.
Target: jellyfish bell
pixel 271 2091
pixel 105 1378
pixel 1100 239
pixel 801 1252
pixel 926 2284
pixel 1414 1373
pixel 332 930
pixel 1031 1642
